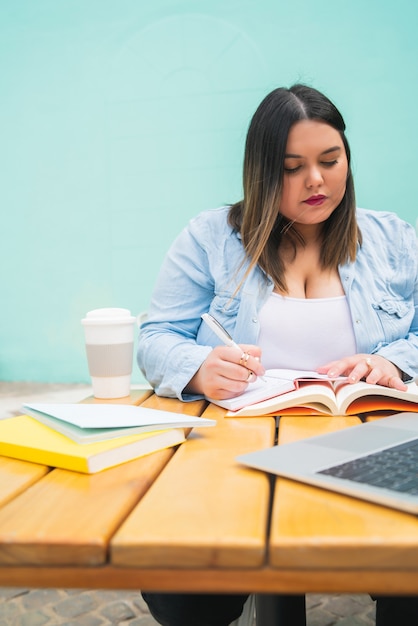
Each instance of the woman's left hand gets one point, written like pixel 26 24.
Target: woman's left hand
pixel 374 369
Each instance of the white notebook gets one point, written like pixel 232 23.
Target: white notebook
pixel 85 423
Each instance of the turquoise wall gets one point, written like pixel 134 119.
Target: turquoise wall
pixel 121 119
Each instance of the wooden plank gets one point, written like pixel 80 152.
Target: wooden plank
pixel 205 510
pixel 67 518
pixel 238 580
pixel 294 427
pixel 312 527
pixel 16 476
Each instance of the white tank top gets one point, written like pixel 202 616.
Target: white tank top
pixel 304 333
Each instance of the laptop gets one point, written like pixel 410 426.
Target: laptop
pixel 376 461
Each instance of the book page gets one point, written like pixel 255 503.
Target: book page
pixel 256 392
pixel 302 375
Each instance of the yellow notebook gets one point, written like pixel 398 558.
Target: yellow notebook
pixel 22 437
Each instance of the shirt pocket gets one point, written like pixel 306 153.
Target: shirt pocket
pixel 395 318
pixel 225 307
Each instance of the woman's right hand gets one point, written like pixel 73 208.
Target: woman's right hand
pixel 226 373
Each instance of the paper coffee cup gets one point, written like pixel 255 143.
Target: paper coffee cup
pixel 109 335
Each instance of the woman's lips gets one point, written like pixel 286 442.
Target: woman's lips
pixel 315 200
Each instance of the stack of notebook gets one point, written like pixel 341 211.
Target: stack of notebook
pixel 91 437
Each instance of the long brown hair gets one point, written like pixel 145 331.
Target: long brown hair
pixel 256 217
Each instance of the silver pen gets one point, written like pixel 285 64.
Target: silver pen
pixel 222 333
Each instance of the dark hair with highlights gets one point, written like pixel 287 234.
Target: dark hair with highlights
pixel 257 216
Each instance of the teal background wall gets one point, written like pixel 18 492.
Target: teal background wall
pixel 121 119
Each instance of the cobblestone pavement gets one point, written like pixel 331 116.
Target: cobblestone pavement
pixel 70 607
pixel 50 607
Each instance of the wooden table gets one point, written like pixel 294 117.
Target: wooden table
pixel 193 519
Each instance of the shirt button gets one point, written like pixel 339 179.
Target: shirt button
pixel 254 320
pixel 358 321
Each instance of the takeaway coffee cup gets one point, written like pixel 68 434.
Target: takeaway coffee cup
pixel 109 335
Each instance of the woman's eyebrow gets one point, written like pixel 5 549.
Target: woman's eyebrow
pixel 333 149
pixel 300 156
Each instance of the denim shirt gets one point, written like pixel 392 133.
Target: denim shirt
pixel 205 264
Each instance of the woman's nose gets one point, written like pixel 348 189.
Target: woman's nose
pixel 314 177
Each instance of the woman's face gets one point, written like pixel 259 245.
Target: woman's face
pixel 315 172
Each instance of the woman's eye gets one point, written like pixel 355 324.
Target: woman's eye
pixel 294 170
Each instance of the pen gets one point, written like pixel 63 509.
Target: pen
pixel 223 334
pixel 220 331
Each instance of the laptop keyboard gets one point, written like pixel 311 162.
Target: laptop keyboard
pixel 395 468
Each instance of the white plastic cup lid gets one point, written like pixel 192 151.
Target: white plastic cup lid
pixel 108 316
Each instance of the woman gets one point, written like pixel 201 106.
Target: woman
pixel 298 276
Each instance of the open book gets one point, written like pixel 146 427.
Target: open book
pixel 312 393
pixel 85 423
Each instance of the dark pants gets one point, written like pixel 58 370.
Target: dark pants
pixel 178 609
pixel 220 610
pixel 399 610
